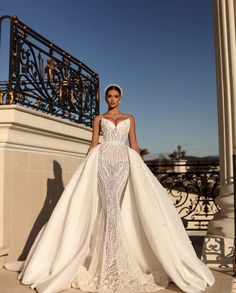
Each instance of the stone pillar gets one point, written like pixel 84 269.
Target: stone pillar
pixel 219 241
pixel 225 48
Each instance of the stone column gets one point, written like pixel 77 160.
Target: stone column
pixel 219 241
pixel 225 48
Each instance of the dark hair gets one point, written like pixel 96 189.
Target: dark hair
pixel 113 87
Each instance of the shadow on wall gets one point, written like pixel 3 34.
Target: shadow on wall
pixel 54 190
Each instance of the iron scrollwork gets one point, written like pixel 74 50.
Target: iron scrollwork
pixel 193 193
pixel 46 78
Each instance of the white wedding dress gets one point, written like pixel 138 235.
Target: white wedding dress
pixel 114 229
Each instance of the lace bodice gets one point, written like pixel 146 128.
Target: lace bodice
pixel 115 133
pixel 113 266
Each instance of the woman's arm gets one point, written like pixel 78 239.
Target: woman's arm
pixel 95 135
pixel 132 136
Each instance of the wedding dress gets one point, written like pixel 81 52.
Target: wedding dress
pixel 114 229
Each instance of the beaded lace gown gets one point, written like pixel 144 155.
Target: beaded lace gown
pixel 114 229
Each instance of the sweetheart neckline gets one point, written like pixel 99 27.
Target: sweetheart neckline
pixel 117 123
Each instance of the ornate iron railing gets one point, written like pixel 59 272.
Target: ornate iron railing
pixel 193 192
pixel 46 78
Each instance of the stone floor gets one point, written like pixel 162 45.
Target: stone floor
pixel 9 284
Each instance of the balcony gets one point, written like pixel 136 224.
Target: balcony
pixel 47 106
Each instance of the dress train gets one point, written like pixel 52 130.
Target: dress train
pixel 132 242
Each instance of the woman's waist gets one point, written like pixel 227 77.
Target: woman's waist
pixel 118 142
pixel 113 152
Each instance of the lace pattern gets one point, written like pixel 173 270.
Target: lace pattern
pixel 113 267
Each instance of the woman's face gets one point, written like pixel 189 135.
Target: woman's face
pixel 113 98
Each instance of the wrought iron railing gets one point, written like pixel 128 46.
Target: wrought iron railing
pixel 46 78
pixel 193 192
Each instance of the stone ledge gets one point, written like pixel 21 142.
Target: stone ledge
pixel 28 130
pixel 38 155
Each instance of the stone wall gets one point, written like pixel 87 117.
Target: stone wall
pixel 38 155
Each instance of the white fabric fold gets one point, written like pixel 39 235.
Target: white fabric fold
pixel 154 230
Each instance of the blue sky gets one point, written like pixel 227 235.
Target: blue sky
pixel 160 51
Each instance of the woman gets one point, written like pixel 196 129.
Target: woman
pixel 114 228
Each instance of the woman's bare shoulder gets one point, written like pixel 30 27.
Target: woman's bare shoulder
pixel 130 116
pixel 127 115
pixel 97 119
